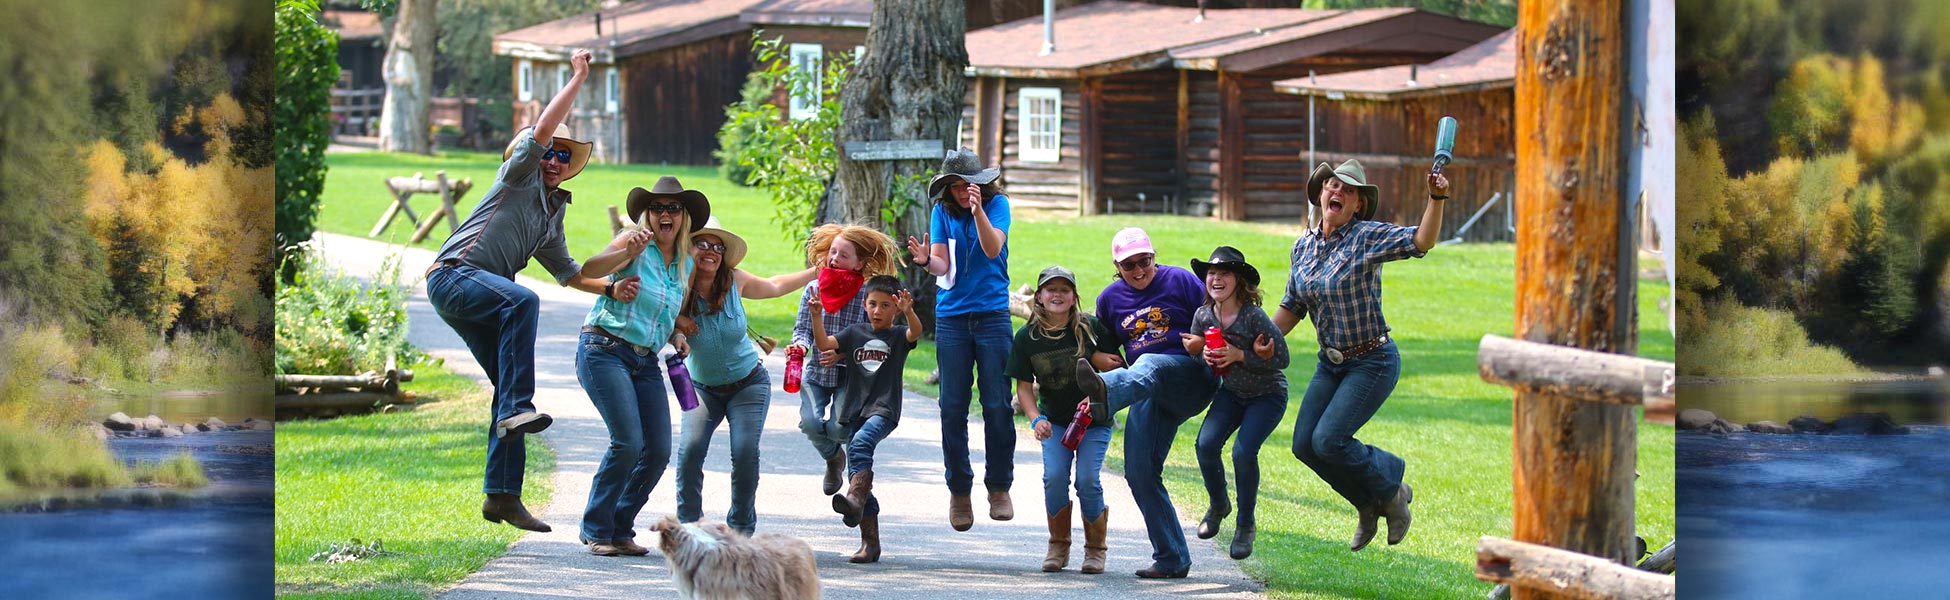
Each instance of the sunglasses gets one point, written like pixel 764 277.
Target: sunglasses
pixel 667 209
pixel 1134 264
pixel 705 246
pixel 559 156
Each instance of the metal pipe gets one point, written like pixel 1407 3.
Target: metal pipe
pixel 1049 27
pixel 1310 141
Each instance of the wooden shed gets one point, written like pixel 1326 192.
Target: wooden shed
pixel 664 70
pixel 1387 119
pixel 1159 108
pixel 361 87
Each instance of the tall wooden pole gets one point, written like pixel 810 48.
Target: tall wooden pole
pixel 1574 460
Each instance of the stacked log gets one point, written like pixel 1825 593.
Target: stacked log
pixel 316 396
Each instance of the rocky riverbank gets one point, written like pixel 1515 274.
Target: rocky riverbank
pixel 121 425
pixel 1693 419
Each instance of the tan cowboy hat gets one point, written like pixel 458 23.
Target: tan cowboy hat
pixel 1350 173
pixel 734 246
pixel 578 151
pixel 964 165
pixel 694 201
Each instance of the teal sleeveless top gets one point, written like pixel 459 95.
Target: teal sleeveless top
pixel 649 320
pixel 721 354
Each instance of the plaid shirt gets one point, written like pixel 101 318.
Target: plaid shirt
pixel 855 311
pixel 1338 281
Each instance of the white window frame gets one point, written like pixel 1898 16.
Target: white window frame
pixel 802 103
pixel 613 93
pixel 1039 136
pixel 525 80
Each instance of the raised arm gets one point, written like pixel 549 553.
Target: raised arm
pixel 990 230
pixel 914 327
pixel 558 107
pixel 753 287
pixel 1431 228
pixel 617 254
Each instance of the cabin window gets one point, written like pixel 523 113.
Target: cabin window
pixel 1039 119
pixel 614 91
pixel 525 81
pixel 805 97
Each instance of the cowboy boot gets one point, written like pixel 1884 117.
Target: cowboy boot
pixel 961 513
pixel 1090 383
pixel 507 508
pixel 1364 528
pixel 524 422
pixel 1000 508
pixel 631 548
pixel 869 541
pixel 1059 541
pixel 835 472
pixel 1094 547
pixel 1242 541
pixel 1397 512
pixel 1214 517
pixel 854 501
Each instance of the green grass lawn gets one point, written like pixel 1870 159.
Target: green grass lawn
pixel 410 480
pixel 1453 428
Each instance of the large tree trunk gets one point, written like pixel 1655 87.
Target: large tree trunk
pixel 403 125
pixel 907 86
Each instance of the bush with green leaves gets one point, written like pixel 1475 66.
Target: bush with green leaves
pixel 307 66
pixel 793 160
pixel 332 324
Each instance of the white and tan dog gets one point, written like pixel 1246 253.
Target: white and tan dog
pixel 712 561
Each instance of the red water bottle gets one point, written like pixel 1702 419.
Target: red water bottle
pixel 1074 435
pixel 795 365
pixel 680 382
pixel 1215 342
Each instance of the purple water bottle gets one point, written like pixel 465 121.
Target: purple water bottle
pixel 680 382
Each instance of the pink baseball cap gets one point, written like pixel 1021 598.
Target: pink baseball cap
pixel 1129 242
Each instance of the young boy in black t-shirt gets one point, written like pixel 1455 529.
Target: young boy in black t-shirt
pixel 870 396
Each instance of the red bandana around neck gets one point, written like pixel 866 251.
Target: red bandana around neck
pixel 837 287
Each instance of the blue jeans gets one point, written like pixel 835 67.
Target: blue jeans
pixel 964 343
pixel 1340 399
pixel 1254 419
pixel 819 417
pixel 1149 429
pixel 745 407
pixel 865 436
pixel 628 389
pixel 1089 461
pixel 497 319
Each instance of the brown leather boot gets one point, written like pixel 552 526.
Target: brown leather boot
pixel 854 501
pixel 1364 528
pixel 1090 383
pixel 961 513
pixel 1059 542
pixel 527 422
pixel 631 548
pixel 507 508
pixel 1397 512
pixel 835 471
pixel 1094 547
pixel 1000 508
pixel 869 541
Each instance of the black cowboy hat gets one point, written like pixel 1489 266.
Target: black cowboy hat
pixel 694 201
pixel 1350 173
pixel 961 164
pixel 1230 259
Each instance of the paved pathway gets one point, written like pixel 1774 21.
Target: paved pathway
pixel 922 557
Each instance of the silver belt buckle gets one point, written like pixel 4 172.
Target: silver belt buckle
pixel 1335 356
pixel 639 350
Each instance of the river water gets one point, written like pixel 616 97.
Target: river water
pixel 1816 516
pixel 217 544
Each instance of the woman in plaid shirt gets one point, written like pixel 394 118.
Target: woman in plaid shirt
pixel 1336 279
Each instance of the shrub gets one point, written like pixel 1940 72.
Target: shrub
pixel 329 323
pixel 1742 341
pixel 307 66
pixel 791 159
pixel 35 458
pixel 180 471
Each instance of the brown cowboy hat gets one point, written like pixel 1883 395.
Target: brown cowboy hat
pixel 964 165
pixel 1350 173
pixel 694 201
pixel 578 151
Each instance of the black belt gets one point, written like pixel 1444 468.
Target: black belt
pixel 1338 356
pixel 640 350
pixel 451 262
pixel 758 371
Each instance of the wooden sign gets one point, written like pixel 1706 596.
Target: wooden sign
pixel 895 150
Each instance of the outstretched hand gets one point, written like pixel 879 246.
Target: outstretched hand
pixel 917 250
pixel 904 301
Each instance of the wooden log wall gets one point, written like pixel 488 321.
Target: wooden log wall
pixel 1139 125
pixel 674 99
pixel 1272 142
pixel 1042 184
pixel 832 40
pixel 1395 142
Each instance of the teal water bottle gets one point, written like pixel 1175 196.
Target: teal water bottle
pixel 1445 142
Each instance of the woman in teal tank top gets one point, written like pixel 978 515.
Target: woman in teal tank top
pixel 732 384
pixel 616 360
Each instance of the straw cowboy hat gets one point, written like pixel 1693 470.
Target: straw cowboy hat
pixel 694 201
pixel 734 246
pixel 1349 173
pixel 578 151
pixel 1230 259
pixel 963 164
